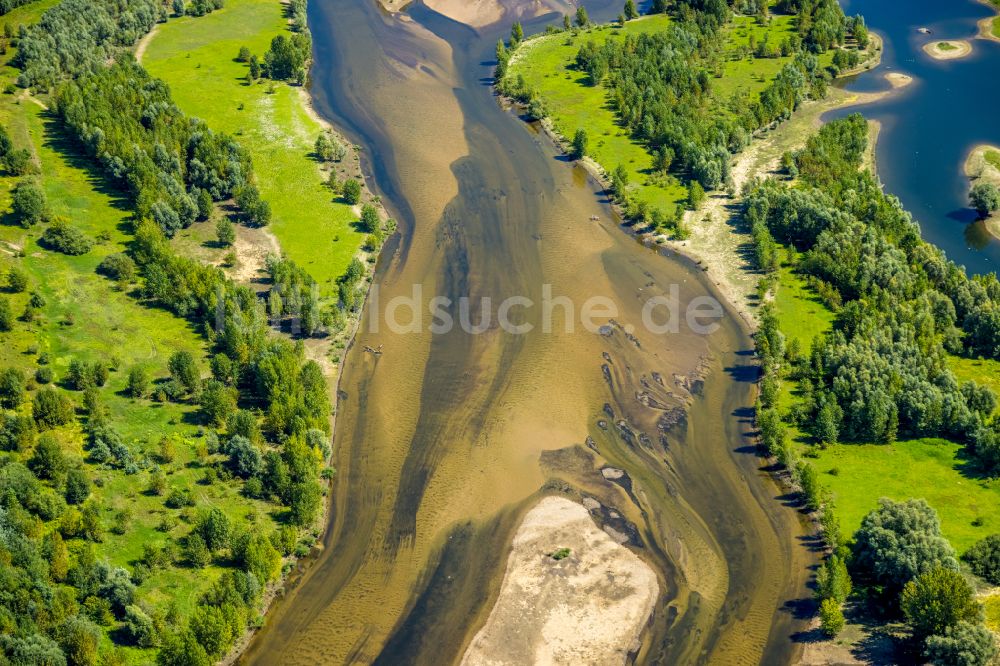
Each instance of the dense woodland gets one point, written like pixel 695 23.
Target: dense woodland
pixel 880 373
pixel 263 407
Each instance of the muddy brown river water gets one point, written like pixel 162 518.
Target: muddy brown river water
pixel 445 440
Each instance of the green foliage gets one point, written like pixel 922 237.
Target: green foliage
pixel 580 144
pixel 351 191
pixel 28 203
pixel 832 580
pixel 225 232
pixel 370 222
pixel 287 55
pixel 137 384
pixel 937 600
pixel 984 558
pixel 48 461
pixel 985 198
pixel 696 195
pixel 62 237
pixel 831 617
pixel 184 370
pixel 963 644
pixel 51 408
pixel 899 541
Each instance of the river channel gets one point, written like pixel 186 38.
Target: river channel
pixel 446 439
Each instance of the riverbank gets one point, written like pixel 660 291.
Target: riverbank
pixel 983 165
pixel 710 236
pixel 279 126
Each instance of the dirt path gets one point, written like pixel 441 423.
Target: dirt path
pixel 143 44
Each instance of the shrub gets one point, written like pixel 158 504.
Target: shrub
pixel 984 558
pixel 62 237
pixel 28 203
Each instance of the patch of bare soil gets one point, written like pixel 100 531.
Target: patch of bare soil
pixel 588 607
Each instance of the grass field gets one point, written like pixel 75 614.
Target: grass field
pixel 859 474
pixel 932 469
pixel 197 57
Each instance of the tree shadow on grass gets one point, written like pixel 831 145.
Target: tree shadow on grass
pixel 59 140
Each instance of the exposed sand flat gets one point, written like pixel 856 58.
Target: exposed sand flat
pixel 898 80
pixel 948 49
pixel 986 29
pixel 588 608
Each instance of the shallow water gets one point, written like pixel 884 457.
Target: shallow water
pixel 929 127
pixel 445 440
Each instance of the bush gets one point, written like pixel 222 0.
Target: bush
pixel 351 191
pixel 48 461
pixel 965 644
pixel 51 408
pixel 831 618
pixel 937 600
pixel 17 280
pixel 62 237
pixel 119 267
pixel 139 627
pixel 28 203
pixel 984 558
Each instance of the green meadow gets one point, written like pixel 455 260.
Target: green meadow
pixel 859 474
pixel 197 57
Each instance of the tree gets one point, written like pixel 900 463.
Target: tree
pixel 62 237
pixel 662 159
pixel 213 526
pixel 580 142
pixel 831 618
pixel 244 458
pixel 184 370
pixel 324 148
pixel 139 627
pixel 696 195
pixel 304 502
pixel 218 402
pixel 254 71
pixel 351 191
pixel 582 19
pixel 244 54
pixel 516 33
pixel 182 649
pixel 17 280
pixel 57 554
pixel 937 600
pixel 964 644
pixel 28 203
pixel 138 382
pixel 48 461
pixel 11 388
pixel 119 267
pixel 567 22
pixel 225 231
pixel 284 59
pixel 985 198
pixel 77 486
pixel 178 6
pixel 630 11
pixel 833 581
pixel 984 558
pixel 211 628
pixel 255 553
pixel 196 552
pixel 899 541
pixel 370 222
pixel 6 315
pixel 78 638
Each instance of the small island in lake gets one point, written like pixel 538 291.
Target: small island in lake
pixel 948 49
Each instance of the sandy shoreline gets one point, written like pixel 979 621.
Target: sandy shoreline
pixel 588 607
pixel 978 169
pixel 948 49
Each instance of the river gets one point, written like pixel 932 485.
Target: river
pixel 444 440
pixel 929 127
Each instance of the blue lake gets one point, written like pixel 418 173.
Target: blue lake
pixel 929 127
